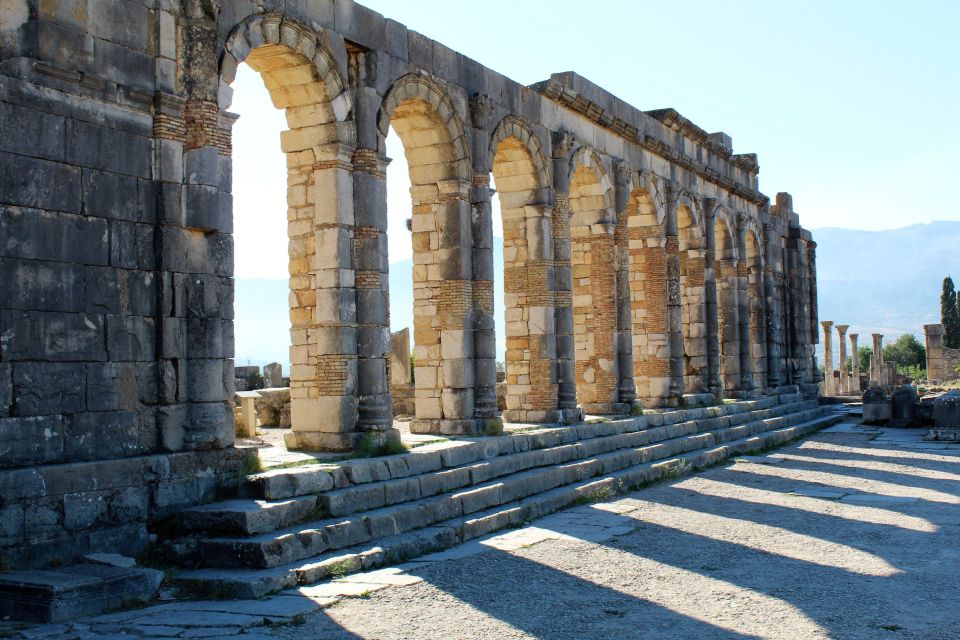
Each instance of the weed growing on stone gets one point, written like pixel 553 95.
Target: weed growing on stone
pixel 679 468
pixel 342 568
pixel 595 495
pixel 251 465
pixel 371 447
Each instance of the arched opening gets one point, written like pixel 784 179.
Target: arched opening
pixel 323 369
pixel 592 227
pixel 755 305
pixel 531 389
pixel 725 267
pixel 692 301
pixel 648 300
pixel 441 236
pixel 261 275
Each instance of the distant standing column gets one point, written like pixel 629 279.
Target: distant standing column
pixel 827 357
pixel 844 375
pixel 855 357
pixel 876 361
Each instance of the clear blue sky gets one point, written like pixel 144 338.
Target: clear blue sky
pixel 851 106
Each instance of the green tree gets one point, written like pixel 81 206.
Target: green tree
pixel 864 354
pixel 950 314
pixel 908 354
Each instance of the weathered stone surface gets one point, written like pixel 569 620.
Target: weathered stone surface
pixel 74 591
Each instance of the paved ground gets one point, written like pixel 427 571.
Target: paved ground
pixel 851 534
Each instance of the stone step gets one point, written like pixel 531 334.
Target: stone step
pixel 373 495
pixel 347 491
pixel 247 583
pixel 247 516
pixel 74 591
pixel 284 483
pixel 311 538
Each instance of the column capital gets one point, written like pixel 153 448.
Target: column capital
pixel 623 173
pixel 710 207
pixel 826 324
pixel 482 109
pixel 563 143
pixel 842 329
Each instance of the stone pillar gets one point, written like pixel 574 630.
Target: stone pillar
pixel 674 311
pixel 374 404
pixel 855 361
pixel 714 384
pixel 563 142
pixel 626 390
pixel 813 309
pixel 934 338
pixel 877 373
pixel 844 374
pixel 773 312
pixel 443 310
pixel 323 314
pixel 728 300
pixel 484 325
pixel 828 387
pixel 743 309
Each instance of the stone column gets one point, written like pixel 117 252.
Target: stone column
pixel 674 311
pixel 563 142
pixel 743 309
pixel 627 390
pixel 813 309
pixel 714 384
pixel 374 406
pixel 934 339
pixel 876 362
pixel 855 357
pixel 844 375
pixel 484 325
pixel 828 388
pixel 773 312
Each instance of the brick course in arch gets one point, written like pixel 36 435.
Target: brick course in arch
pixel 115 205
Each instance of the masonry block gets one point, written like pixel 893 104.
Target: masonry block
pixel 32 440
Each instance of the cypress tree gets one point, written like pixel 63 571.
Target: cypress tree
pixel 950 314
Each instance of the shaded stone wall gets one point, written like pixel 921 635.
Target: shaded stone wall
pixel 116 258
pixel 942 361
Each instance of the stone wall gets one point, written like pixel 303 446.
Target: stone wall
pixel 942 361
pixel 117 260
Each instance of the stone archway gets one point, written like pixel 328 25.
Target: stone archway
pixel 302 79
pixel 520 174
pixel 435 146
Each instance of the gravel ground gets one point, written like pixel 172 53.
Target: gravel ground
pixel 837 537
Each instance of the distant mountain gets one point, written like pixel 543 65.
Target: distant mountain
pixel 885 282
pixel 876 281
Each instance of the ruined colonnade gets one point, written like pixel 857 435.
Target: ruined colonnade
pixel 642 263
